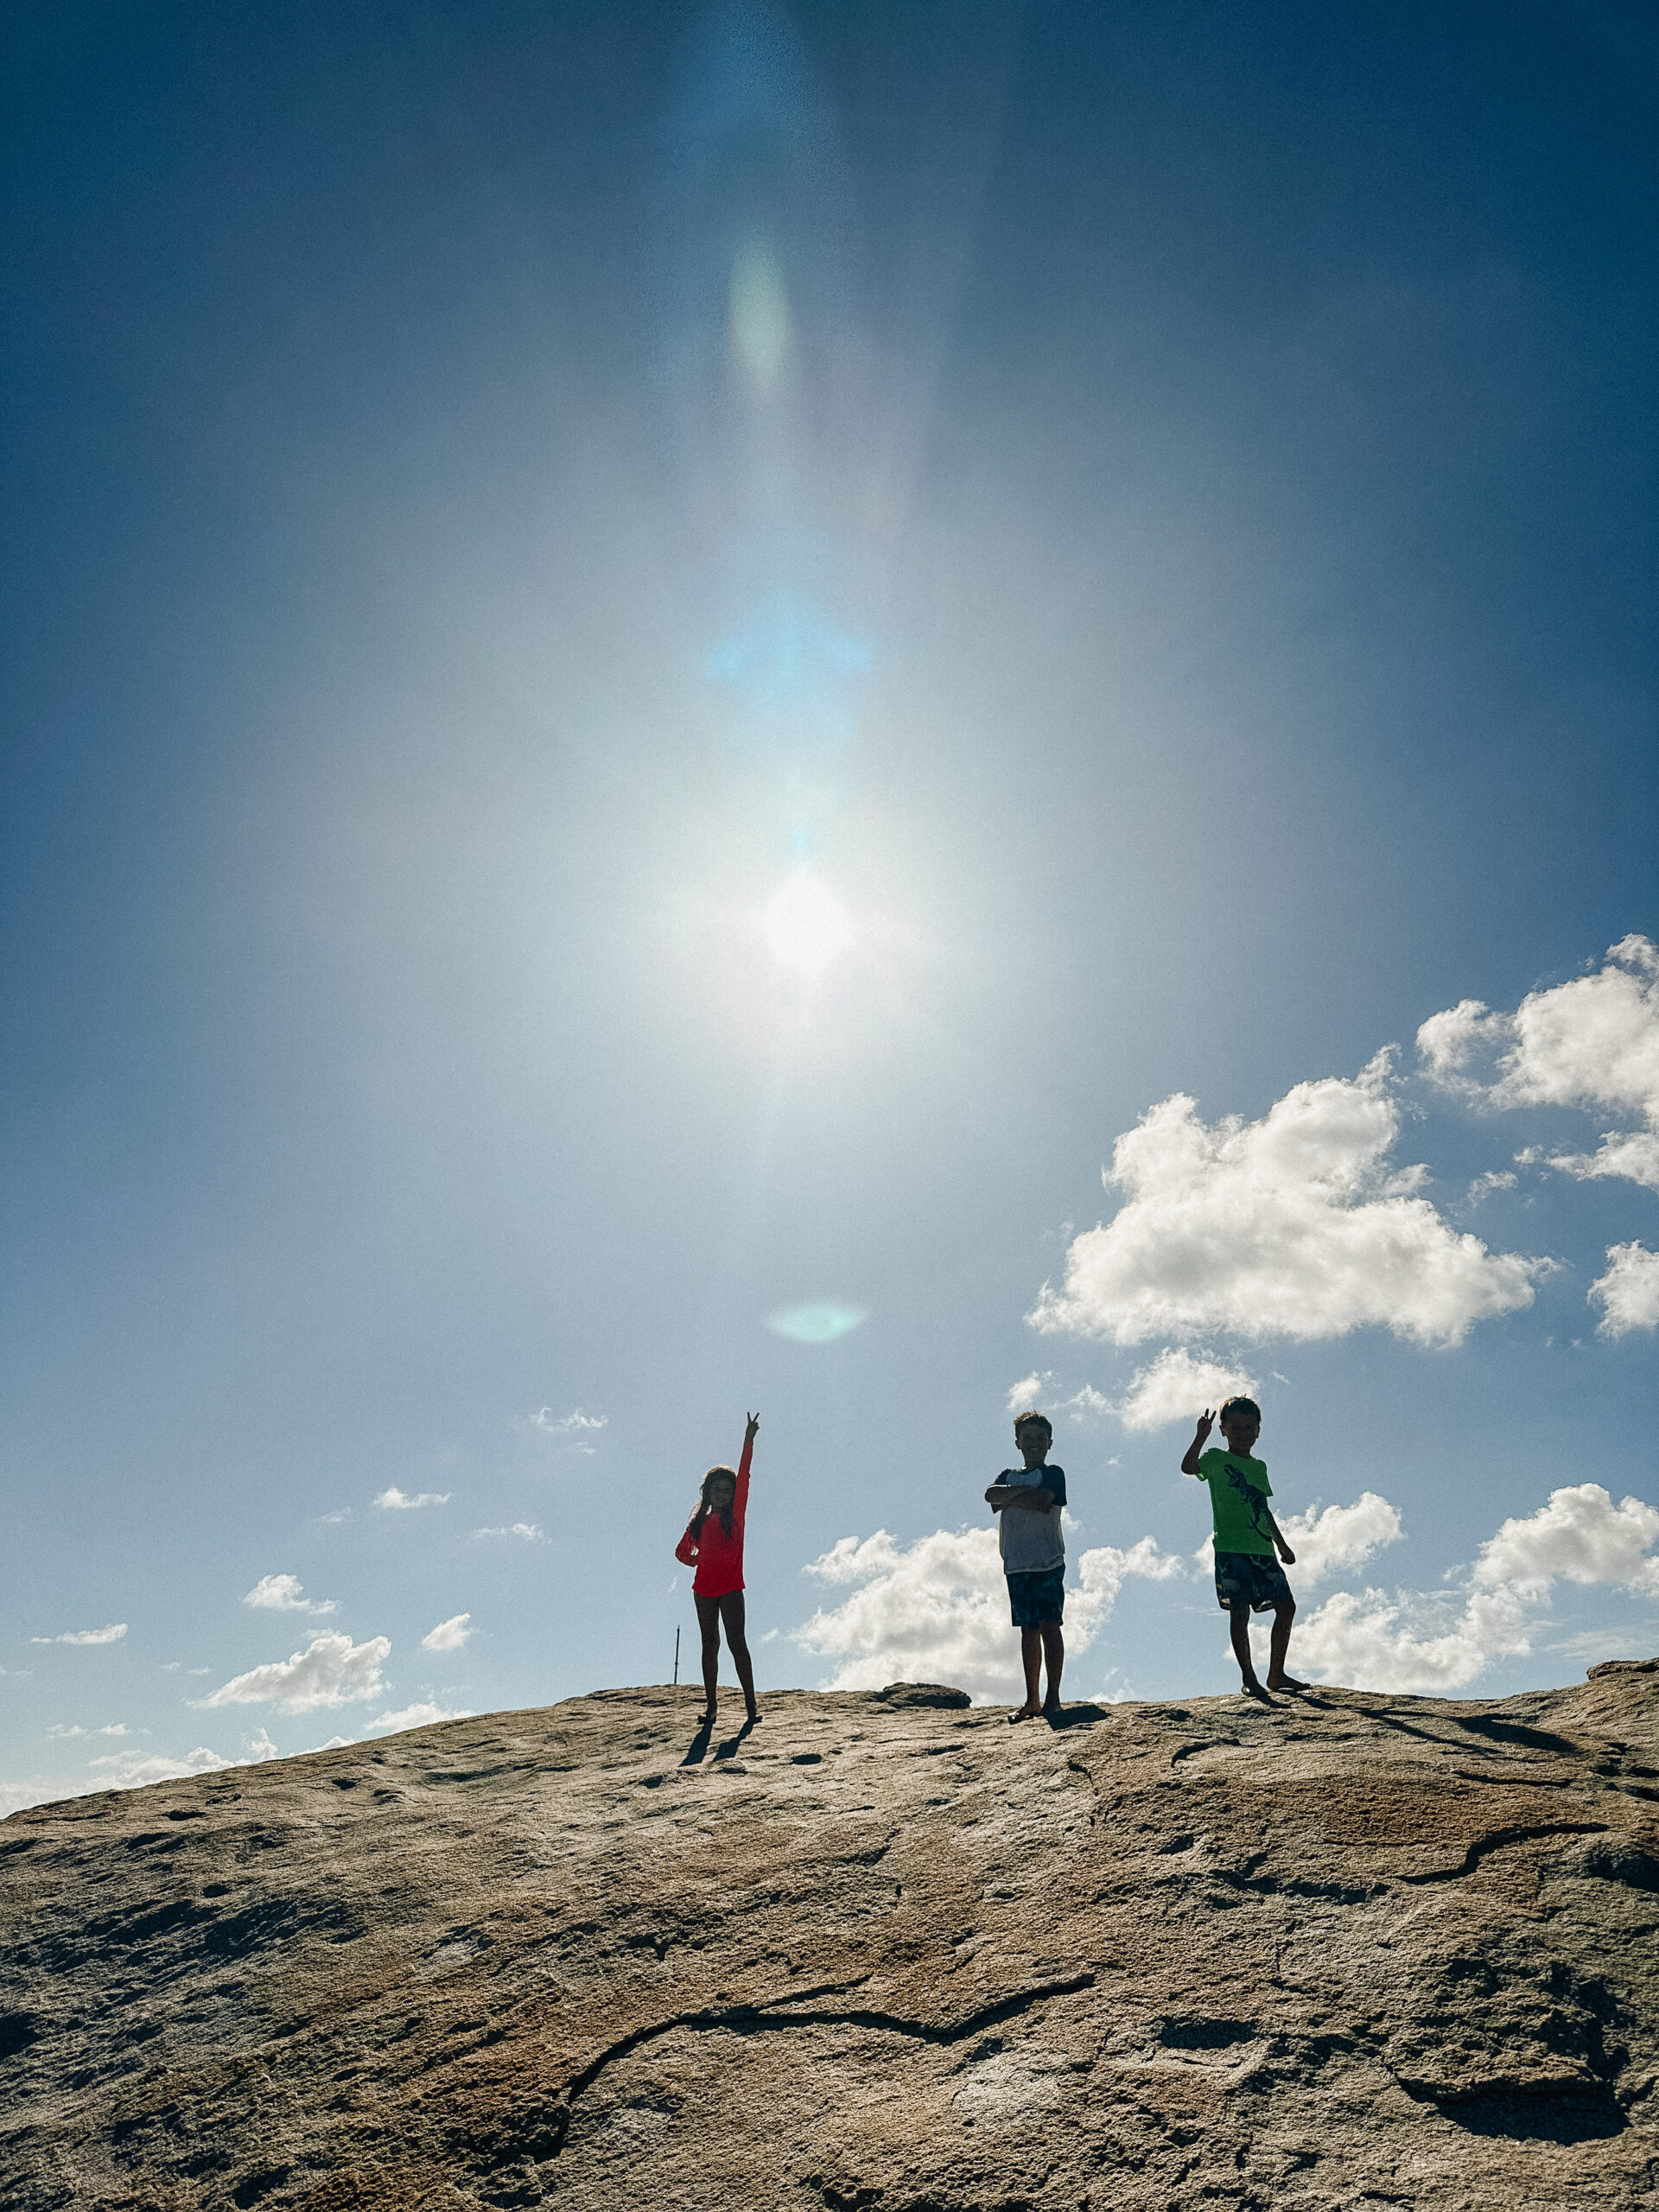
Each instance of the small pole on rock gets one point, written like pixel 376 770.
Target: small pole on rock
pixel 677 1670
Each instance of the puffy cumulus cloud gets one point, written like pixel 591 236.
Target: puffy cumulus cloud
pixel 1408 1641
pixel 937 1609
pixel 1326 1542
pixel 449 1635
pixel 1593 1043
pixel 285 1594
pixel 1341 1536
pixel 1291 1226
pixel 1177 1386
pixel 1629 1292
pixel 418 1716
pixel 393 1500
pixel 112 1634
pixel 331 1671
pixel 1581 1536
pixel 1441 1641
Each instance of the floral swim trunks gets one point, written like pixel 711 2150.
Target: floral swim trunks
pixel 1036 1600
pixel 1248 1579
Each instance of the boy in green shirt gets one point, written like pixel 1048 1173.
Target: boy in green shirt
pixel 1247 1575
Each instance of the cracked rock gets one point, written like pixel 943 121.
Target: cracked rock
pixel 882 1952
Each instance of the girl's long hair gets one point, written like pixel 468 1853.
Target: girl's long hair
pixel 705 1509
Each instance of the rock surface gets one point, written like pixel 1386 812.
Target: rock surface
pixel 1352 1950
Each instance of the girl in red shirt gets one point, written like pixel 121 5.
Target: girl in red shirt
pixel 713 1543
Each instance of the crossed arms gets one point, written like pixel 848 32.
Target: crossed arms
pixel 1032 1496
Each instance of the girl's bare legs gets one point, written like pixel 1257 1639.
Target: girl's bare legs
pixel 731 1613
pixel 708 1623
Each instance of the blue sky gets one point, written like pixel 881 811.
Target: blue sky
pixel 1150 511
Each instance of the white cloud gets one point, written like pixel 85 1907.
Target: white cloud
pixel 110 1770
pixel 133 1769
pixel 526 1531
pixel 937 1609
pixel 1592 1043
pixel 1581 1535
pixel 1342 1536
pixel 1175 1386
pixel 576 1424
pixel 113 1634
pixel 1292 1226
pixel 1086 1404
pixel 331 1671
pixel 1497 1179
pixel 418 1716
pixel 283 1593
pixel 260 1745
pixel 393 1500
pixel 1629 1292
pixel 60 1729
pixel 1034 1394
pixel 1409 1642
pixel 449 1635
pixel 1441 1641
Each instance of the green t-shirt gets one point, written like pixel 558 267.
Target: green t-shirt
pixel 1237 1486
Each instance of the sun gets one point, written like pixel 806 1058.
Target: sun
pixel 805 926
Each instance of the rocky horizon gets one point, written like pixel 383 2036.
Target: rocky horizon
pixel 882 1951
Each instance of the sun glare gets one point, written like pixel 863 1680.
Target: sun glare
pixel 805 926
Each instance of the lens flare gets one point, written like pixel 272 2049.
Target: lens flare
pixel 818 1323
pixel 805 927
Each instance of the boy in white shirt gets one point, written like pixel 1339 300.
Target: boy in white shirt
pixel 1028 1500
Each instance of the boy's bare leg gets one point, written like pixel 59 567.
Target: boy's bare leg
pixel 1054 1651
pixel 1031 1658
pixel 1277 1678
pixel 709 1625
pixel 1238 1622
pixel 732 1612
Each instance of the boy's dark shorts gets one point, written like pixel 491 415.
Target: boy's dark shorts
pixel 1250 1579
pixel 1038 1600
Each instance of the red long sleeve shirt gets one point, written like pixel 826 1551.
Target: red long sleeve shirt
pixel 717 1557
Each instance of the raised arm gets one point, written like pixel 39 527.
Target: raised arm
pixel 1206 1421
pixel 742 1499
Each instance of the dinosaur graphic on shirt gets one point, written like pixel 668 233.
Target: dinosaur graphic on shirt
pixel 1254 1501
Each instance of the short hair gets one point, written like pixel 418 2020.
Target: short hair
pixel 1034 1419
pixel 1237 1406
